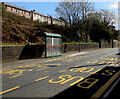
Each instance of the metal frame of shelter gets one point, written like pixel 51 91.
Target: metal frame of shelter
pixel 53 44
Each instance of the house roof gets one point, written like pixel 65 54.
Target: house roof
pixel 11 5
pixel 57 19
pixel 39 14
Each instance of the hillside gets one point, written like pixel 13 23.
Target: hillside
pixel 17 29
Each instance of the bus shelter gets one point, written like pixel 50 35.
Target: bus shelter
pixel 53 44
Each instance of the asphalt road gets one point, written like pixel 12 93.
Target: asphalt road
pixel 48 77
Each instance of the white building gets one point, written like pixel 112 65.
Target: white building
pixel 35 16
pixel 46 19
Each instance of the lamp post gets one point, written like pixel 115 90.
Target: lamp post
pixel 78 33
pixel 113 30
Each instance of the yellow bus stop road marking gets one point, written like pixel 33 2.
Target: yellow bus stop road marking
pixel 62 71
pixel 42 78
pixel 9 90
pixel 20 87
pixel 105 86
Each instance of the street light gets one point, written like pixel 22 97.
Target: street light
pixel 113 29
pixel 78 33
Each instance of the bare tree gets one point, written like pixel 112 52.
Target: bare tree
pixel 108 17
pixel 69 11
pixel 73 12
pixel 86 7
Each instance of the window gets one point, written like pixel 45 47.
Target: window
pixel 37 15
pixel 15 10
pixel 28 13
pixel 24 12
pixel 21 11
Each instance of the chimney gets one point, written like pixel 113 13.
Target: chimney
pixel 33 10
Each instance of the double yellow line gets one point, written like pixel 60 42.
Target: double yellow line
pixel 99 93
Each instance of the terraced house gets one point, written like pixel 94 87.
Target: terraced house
pixel 40 17
pixel 35 16
pixel 17 10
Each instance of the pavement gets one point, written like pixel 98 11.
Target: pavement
pixel 49 77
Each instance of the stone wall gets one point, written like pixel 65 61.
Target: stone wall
pixel 14 53
pixel 11 53
pixel 75 47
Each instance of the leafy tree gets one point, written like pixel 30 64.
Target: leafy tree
pixel 102 25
